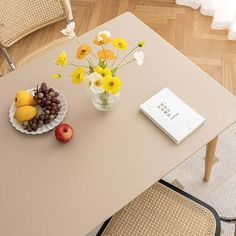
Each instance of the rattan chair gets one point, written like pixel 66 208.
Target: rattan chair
pixel 19 18
pixel 163 210
pixel 42 50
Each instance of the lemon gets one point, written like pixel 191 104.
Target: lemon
pixel 25 113
pixel 24 98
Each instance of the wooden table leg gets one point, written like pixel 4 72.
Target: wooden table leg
pixel 210 157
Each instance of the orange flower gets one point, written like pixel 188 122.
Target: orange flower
pixel 106 54
pixel 82 51
pixel 101 39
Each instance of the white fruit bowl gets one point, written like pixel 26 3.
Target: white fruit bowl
pixel 45 127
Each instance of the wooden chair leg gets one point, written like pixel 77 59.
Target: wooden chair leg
pixel 210 157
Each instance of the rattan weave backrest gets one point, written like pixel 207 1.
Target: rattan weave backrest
pixel 161 211
pixel 19 18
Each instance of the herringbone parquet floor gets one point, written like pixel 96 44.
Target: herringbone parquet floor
pixel 184 28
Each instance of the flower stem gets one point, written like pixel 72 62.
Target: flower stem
pixel 127 56
pixel 71 64
pixel 104 49
pixel 126 64
pixel 117 54
pixel 94 55
pixel 78 40
pixel 89 60
pixel 105 103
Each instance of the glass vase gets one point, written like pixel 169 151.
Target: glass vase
pixel 105 101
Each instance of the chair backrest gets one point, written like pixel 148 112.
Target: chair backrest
pixel 19 18
pixel 163 210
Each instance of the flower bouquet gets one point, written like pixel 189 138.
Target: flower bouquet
pixel 100 70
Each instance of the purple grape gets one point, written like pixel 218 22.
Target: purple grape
pixel 54 108
pixel 52 94
pixel 41 117
pixel 34 126
pixel 43 84
pixel 54 99
pixel 40 95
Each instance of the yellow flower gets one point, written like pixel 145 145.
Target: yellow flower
pixel 103 72
pixel 62 59
pixel 141 44
pixel 101 39
pixel 82 51
pixel 78 75
pixel 112 84
pixel 106 54
pixel 56 76
pixel 120 43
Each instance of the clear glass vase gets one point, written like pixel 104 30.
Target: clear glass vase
pixel 105 101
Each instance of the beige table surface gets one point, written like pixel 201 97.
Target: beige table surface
pixel 49 189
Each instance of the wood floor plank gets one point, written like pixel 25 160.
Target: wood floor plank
pixel 185 28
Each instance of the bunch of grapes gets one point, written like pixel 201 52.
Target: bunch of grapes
pixel 47 99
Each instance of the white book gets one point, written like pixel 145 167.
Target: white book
pixel 172 115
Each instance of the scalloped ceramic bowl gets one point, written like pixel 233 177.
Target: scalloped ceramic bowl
pixel 46 127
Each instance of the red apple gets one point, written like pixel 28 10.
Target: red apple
pixel 63 133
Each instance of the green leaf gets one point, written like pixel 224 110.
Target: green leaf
pixel 91 69
pixel 102 64
pixel 114 71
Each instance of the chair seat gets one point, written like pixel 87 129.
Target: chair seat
pixel 159 211
pixel 43 50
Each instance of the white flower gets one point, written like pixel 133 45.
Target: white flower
pixel 107 33
pixel 93 76
pixel 139 56
pixel 69 30
pixel 96 81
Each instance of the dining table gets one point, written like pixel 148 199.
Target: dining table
pixel 48 188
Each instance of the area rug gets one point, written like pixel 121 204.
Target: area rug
pixel 220 192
